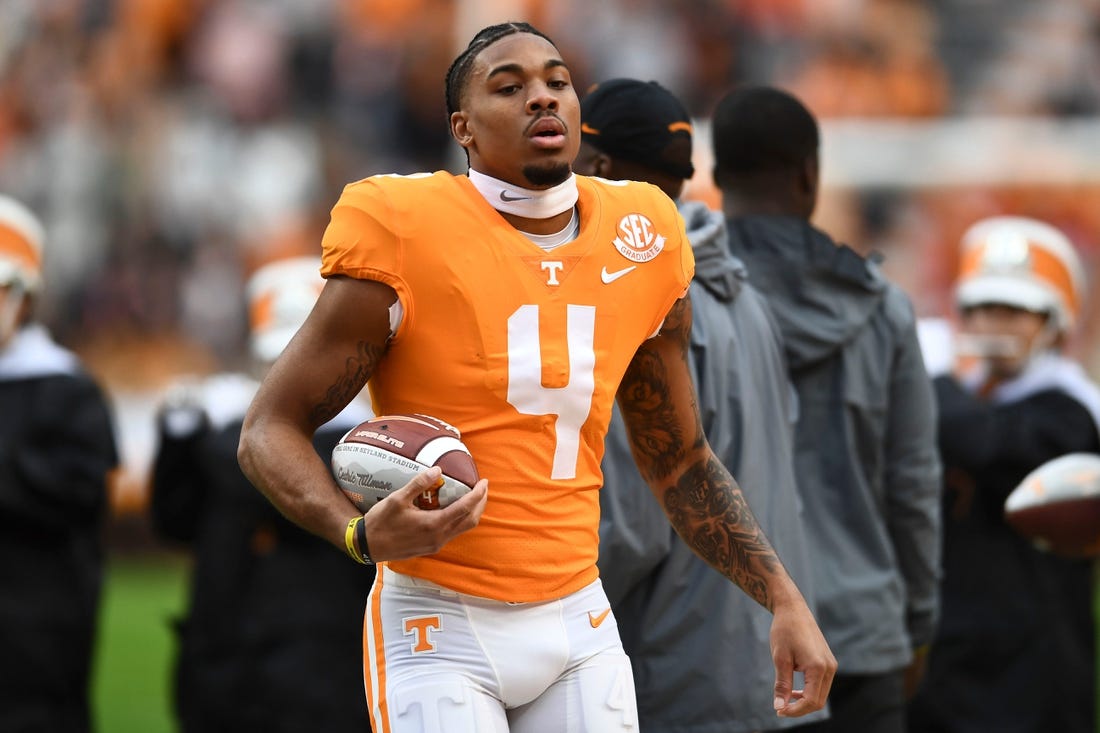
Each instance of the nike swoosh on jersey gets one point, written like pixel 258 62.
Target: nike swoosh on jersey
pixel 597 619
pixel 610 277
pixel 505 197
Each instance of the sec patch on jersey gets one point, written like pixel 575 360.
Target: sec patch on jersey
pixel 379 456
pixel 1057 506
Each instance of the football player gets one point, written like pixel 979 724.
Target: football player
pixel 1017 621
pixel 253 656
pixel 516 303
pixel 57 455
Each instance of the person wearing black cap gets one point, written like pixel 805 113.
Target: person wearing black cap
pixel 865 442
pixel 638 131
pixel 699 648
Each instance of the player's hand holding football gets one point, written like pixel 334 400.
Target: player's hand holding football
pixel 798 646
pixel 398 529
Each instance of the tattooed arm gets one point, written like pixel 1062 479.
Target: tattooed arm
pixel 706 507
pixel 701 498
pixel 322 369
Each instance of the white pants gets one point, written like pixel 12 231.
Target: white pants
pixel 440 661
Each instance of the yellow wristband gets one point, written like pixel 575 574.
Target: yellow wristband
pixel 349 540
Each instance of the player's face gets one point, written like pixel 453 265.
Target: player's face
pixel 520 116
pixel 13 306
pixel 1011 333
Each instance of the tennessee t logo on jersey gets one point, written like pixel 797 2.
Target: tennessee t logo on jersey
pixel 420 628
pixel 552 272
pixel 552 268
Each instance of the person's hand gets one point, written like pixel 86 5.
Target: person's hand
pixel 397 529
pixel 798 646
pixel 914 673
pixel 181 414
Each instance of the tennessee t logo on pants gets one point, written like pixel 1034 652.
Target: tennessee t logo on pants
pixel 420 628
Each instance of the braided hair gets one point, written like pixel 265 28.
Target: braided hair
pixel 458 76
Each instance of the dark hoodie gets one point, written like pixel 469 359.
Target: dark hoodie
pixel 57 450
pixel 865 450
pixel 698 644
pixel 267 643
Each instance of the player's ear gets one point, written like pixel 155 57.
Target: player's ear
pixel 601 165
pixel 460 129
pixel 809 175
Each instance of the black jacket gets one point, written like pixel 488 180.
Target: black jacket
pixel 273 637
pixel 1015 651
pixel 57 449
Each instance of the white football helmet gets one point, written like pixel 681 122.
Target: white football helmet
pixel 1021 262
pixel 281 295
pixel 21 238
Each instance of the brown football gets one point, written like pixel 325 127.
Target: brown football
pixel 1057 506
pixel 379 456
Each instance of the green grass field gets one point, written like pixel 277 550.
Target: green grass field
pixel 132 674
pixel 131 686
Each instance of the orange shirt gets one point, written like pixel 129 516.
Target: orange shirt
pixel 522 350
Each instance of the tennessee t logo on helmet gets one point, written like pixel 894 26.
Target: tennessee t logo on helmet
pixel 1024 263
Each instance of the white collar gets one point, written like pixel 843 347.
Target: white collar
pixel 32 353
pixel 526 202
pixel 566 235
pixel 1050 370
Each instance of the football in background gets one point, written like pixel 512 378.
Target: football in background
pixel 1057 506
pixel 379 456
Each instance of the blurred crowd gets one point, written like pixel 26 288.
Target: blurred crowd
pixel 173 146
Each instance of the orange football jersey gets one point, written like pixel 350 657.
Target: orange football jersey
pixel 521 349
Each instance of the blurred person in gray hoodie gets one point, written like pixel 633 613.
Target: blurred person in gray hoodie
pixel 865 444
pixel 698 646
